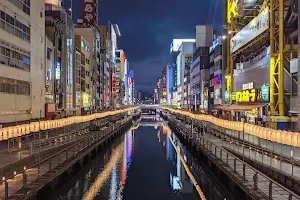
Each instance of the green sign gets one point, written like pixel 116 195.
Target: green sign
pixel 265 93
pixel 227 97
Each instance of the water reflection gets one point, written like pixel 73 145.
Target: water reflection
pixel 142 164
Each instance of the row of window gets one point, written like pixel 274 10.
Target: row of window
pixel 13 26
pixel 23 5
pixel 13 56
pixel 12 86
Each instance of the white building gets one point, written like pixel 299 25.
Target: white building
pixel 22 60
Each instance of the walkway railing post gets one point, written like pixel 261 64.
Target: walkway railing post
pixel 244 171
pixel 50 164
pixel 255 181
pixel 270 191
pixel 6 189
pixel 24 178
pixel 234 164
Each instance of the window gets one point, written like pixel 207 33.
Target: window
pixel 118 54
pixel 12 86
pixel 14 56
pixel 14 27
pixel 23 5
pixel 49 53
pixel 87 86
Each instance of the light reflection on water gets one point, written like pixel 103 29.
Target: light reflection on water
pixel 141 165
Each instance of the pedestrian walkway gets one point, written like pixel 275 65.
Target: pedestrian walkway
pixel 10 157
pixel 239 169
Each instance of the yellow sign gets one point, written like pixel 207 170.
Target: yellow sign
pixel 86 100
pixel 188 60
pixel 245 96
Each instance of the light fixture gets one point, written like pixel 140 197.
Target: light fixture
pixel 224 37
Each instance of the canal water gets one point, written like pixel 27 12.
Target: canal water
pixel 142 164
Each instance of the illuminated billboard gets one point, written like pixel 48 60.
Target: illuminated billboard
pixel 177 42
pixel 89 11
pixel 256 27
pixel 113 44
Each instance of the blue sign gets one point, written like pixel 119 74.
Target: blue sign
pixel 215 44
pixel 57 70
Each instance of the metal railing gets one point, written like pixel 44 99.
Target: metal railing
pixel 74 151
pixel 257 180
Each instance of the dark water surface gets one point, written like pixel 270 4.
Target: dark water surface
pixel 140 165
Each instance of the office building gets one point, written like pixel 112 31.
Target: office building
pixel 22 60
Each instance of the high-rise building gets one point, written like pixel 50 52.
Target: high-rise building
pixel 91 34
pixel 86 70
pixel 60 31
pixel 121 73
pixel 22 60
pixel 184 58
pixel 199 69
pixel 105 67
pixel 173 70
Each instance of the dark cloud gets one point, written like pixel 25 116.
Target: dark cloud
pixel 147 28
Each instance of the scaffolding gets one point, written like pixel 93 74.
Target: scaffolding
pixel 280 49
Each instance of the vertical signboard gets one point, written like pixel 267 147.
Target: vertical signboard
pixel 113 44
pixel 89 12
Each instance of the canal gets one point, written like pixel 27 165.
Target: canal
pixel 142 164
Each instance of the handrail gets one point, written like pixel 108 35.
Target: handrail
pixel 24 129
pixel 243 162
pixel 86 141
pixel 279 136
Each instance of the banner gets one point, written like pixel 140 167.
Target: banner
pixel 256 27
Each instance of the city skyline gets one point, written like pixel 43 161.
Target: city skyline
pixel 146 35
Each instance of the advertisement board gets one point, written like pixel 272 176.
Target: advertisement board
pixel 188 59
pixel 89 12
pixel 252 95
pixel 57 70
pixel 256 27
pixel 113 44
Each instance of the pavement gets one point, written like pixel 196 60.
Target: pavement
pixel 278 193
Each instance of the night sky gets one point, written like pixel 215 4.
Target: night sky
pixel 147 28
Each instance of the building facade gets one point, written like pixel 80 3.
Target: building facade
pixel 22 60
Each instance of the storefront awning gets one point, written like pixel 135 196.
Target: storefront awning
pixel 239 107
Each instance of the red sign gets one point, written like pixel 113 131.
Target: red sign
pixel 113 86
pixel 89 12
